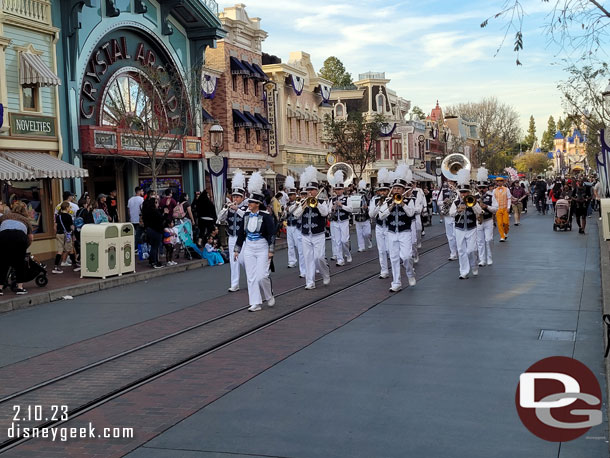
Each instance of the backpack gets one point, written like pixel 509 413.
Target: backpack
pixel 179 212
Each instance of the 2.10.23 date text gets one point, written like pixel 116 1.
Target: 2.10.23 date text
pixel 40 413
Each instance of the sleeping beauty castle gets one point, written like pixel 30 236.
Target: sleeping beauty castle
pixel 569 153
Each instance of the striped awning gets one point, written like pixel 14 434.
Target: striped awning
pixel 420 175
pixel 11 171
pixel 43 165
pixel 33 71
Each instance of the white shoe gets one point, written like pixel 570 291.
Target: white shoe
pixel 360 250
pixel 326 280
pixel 349 259
pixel 66 263
pixel 56 270
pixel 423 233
pixel 255 308
pixel 489 263
pixel 481 264
pixel 463 277
pixel 271 302
pixel 412 281
pixel 370 244
pixel 395 289
pixel 419 245
pixel 290 266
pixel 340 263
pixel 76 269
pixel 502 240
pixel 452 258
pixel 333 258
pixel 232 289
pixel 416 259
pixel 384 275
pixel 310 287
pixel 475 272
pixel 301 275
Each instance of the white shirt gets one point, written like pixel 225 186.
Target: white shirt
pixel 135 207
pixel 284 199
pixel 72 211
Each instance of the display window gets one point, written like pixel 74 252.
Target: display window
pixel 35 194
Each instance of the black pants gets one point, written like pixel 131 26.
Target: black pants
pixel 13 245
pixel 154 239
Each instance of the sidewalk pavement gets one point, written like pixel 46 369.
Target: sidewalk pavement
pixel 71 284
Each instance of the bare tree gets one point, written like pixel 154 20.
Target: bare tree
pixel 354 139
pixel 582 98
pixel 498 125
pixel 579 26
pixel 151 108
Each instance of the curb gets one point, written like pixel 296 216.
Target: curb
pixel 604 264
pixel 31 300
pixel 96 285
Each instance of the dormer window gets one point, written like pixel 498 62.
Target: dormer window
pixel 339 110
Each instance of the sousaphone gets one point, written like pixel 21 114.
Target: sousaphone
pixel 348 173
pixel 452 164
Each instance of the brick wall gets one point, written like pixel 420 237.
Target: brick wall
pixel 222 105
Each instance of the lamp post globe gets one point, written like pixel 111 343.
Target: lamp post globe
pixel 216 133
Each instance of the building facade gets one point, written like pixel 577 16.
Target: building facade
pixel 235 96
pixel 31 149
pixel 301 105
pixel 106 51
pixel 371 96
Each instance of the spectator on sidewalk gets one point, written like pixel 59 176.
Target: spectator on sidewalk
pixel 153 222
pixel 134 207
pixel 103 205
pixel 517 195
pixel 68 197
pixel 581 197
pixel 16 235
pixel 207 215
pixel 64 239
pixel 212 254
pixel 597 194
pixel 170 238
pixel 167 203
pixel 113 207
pixel 526 198
pixel 99 215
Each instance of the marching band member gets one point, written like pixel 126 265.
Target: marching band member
pixel 313 213
pixel 399 212
pixel 465 226
pixel 416 231
pixel 363 224
pixel 293 228
pixel 232 214
pixel 485 223
pixel 340 215
pixel 504 200
pixel 256 240
pixel 381 225
pixel 445 198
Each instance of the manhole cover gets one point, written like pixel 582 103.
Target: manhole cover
pixel 551 334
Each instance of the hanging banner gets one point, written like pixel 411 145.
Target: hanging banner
pixel 602 161
pixel 217 166
pixel 270 102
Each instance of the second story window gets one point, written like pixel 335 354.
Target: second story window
pixel 236 135
pixel 380 99
pixel 247 136
pixel 300 136
pixel 245 85
pixel 256 88
pixel 30 98
pixel 234 79
pixel 258 136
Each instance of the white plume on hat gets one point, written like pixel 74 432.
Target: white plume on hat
pixel 302 182
pixel 383 176
pixel 239 179
pixel 255 184
pixel 362 184
pixel 391 176
pixel 482 174
pixel 337 178
pixel 310 174
pixel 289 183
pixel 403 172
pixel 463 177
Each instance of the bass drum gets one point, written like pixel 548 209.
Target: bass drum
pixel 356 203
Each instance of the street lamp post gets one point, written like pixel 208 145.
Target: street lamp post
pixel 437 170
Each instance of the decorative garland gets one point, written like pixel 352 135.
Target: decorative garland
pixel 325 93
pixel 209 95
pixel 293 83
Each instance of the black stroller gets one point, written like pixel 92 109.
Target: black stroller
pixel 33 270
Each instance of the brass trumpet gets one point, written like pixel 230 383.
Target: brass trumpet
pixel 470 200
pixel 310 201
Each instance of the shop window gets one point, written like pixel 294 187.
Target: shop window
pixel 246 85
pixel 30 98
pixel 247 136
pixel 258 136
pixel 397 150
pixel 234 79
pixel 236 135
pixel 34 194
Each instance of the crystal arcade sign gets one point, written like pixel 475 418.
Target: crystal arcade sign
pixel 116 53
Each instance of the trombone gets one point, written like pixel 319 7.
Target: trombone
pixel 397 198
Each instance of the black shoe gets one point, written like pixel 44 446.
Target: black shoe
pixel 20 291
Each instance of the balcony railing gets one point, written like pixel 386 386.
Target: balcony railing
pixel 33 10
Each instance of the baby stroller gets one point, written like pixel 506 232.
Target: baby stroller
pixel 185 238
pixel 33 270
pixel 563 217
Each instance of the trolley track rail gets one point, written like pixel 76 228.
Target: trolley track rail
pixel 185 359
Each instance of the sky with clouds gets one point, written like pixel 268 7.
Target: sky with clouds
pixel 431 50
